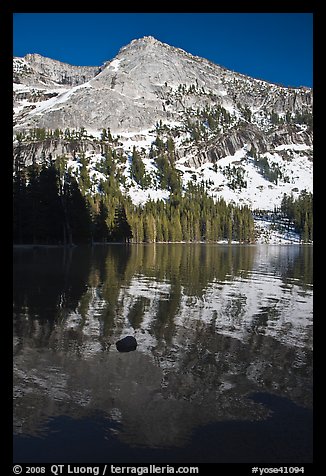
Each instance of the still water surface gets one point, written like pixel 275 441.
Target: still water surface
pixel 223 367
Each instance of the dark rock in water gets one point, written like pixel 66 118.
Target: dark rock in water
pixel 126 344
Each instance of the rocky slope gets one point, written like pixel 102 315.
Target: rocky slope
pixel 151 89
pixel 141 85
pixel 36 70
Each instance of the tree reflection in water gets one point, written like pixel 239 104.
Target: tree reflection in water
pixel 214 324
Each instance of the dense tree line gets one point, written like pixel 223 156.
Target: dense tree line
pixel 300 212
pixel 50 206
pixel 191 217
pixel 39 134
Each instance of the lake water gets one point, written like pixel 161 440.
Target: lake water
pixel 223 367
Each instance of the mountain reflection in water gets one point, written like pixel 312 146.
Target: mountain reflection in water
pixel 214 324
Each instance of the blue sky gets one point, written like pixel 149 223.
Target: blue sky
pixel 276 47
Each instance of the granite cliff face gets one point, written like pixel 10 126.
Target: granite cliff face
pixel 36 70
pixel 146 82
pixel 152 89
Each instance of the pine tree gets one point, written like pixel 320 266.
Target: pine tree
pixel 185 227
pixel 171 149
pixel 50 211
pixel 305 235
pixel 229 228
pixel 20 208
pixel 100 229
pixel 150 229
pixel 165 228
pixel 122 231
pixel 137 170
pixel 159 231
pixel 34 200
pixel 138 229
pixel 77 213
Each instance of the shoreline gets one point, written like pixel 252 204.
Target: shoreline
pixel 27 246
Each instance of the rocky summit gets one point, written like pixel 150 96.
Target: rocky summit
pixel 222 123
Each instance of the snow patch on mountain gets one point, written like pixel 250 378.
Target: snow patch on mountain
pixel 140 196
pixel 115 64
pixel 230 132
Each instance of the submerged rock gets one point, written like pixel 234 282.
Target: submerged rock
pixel 126 344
